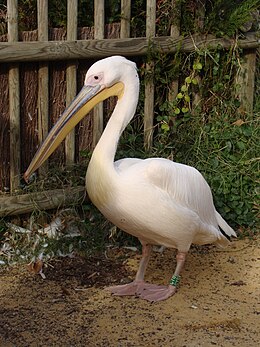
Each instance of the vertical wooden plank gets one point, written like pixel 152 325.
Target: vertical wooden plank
pixel 14 100
pixel 125 18
pixel 149 86
pixel 175 33
pixel 99 26
pixel 199 24
pixel 245 81
pixel 71 77
pixel 43 79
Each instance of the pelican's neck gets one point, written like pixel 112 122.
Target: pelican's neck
pixel 102 178
pixel 124 111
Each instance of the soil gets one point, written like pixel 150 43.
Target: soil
pixel 217 303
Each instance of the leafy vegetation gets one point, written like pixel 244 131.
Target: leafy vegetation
pixel 226 18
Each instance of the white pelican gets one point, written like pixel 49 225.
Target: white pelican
pixel 156 200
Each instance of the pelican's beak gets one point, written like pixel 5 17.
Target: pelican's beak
pixel 88 97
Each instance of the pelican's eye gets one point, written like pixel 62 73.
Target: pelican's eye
pixel 94 79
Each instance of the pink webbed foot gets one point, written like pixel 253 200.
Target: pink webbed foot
pixel 143 290
pixel 155 293
pixel 125 289
pixel 135 288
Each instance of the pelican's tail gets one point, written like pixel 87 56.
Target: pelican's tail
pixel 226 231
pixel 224 226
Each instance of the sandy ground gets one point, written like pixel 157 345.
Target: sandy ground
pixel 217 303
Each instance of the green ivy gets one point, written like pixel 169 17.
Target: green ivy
pixel 226 153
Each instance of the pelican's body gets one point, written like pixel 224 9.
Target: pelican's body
pixel 156 200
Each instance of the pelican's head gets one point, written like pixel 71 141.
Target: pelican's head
pixel 105 78
pixel 109 71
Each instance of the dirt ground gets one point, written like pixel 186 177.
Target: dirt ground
pixel 217 303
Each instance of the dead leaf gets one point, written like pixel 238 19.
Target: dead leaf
pixel 238 122
pixel 36 266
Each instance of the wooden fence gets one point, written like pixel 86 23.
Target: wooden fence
pixel 72 49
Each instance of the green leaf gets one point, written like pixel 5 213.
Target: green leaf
pixel 215 162
pixel 165 127
pixel 197 66
pixel 215 70
pixel 187 98
pixel 241 145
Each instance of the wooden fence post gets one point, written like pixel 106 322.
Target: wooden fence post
pixel 199 22
pixel 43 79
pixel 44 200
pixel 149 85
pixel 125 19
pixel 245 81
pixel 71 77
pixel 175 33
pixel 99 24
pixel 14 100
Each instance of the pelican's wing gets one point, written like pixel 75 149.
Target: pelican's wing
pixel 186 185
pixel 179 183
pixel 183 184
pixel 124 164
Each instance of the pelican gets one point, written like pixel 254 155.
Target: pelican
pixel 158 201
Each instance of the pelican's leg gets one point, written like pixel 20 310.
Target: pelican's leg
pixel 159 293
pixel 137 286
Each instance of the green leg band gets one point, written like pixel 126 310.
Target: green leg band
pixel 175 280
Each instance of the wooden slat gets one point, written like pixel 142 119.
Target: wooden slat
pixel 138 46
pixel 149 85
pixel 125 18
pixel 199 23
pixel 245 81
pixel 47 200
pixel 99 26
pixel 14 101
pixel 43 79
pixel 175 33
pixel 71 77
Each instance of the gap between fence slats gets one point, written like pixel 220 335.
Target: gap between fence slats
pixel 149 85
pixel 14 101
pixel 99 27
pixel 43 79
pixel 71 77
